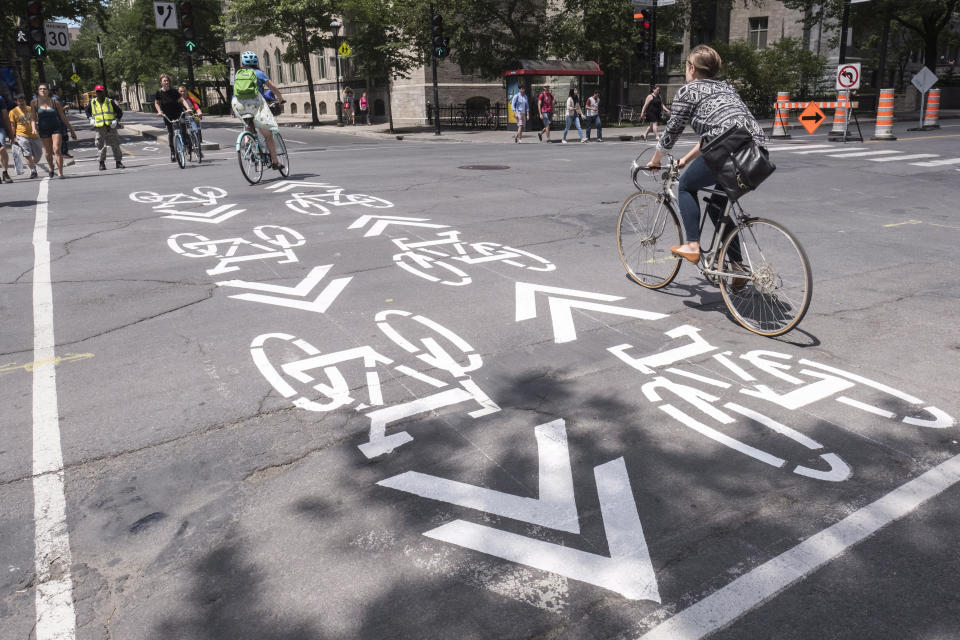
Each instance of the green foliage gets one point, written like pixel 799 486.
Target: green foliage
pixel 601 30
pixel 783 66
pixel 383 36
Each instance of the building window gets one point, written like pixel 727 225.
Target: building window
pixel 266 62
pixel 293 72
pixel 758 33
pixel 293 108
pixel 323 108
pixel 321 66
pixel 279 67
pixel 306 108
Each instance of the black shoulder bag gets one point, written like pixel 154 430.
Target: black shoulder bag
pixel 737 160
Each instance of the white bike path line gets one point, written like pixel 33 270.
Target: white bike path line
pixel 56 619
pixel 755 588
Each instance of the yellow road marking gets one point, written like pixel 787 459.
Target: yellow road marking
pixel 897 224
pixel 30 366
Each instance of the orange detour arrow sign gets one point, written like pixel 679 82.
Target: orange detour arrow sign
pixel 812 117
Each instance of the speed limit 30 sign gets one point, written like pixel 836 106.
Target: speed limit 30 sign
pixel 848 76
pixel 58 36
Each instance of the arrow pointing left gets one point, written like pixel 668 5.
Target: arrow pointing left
pixel 563 301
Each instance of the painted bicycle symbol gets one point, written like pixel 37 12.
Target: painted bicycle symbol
pixel 424 260
pixel 317 204
pixel 278 242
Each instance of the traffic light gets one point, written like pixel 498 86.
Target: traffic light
pixel 441 45
pixel 644 19
pixel 186 23
pixel 38 39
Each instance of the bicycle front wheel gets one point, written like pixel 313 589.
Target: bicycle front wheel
pixel 248 153
pixel 770 284
pixel 646 229
pixel 181 154
pixel 195 141
pixel 282 156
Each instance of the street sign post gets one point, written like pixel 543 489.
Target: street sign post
pixel 848 76
pixel 812 117
pixel 923 80
pixel 165 15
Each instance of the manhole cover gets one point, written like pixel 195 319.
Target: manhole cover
pixel 485 167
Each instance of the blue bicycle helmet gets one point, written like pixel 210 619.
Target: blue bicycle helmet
pixel 249 59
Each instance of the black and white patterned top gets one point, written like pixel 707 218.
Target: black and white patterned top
pixel 710 107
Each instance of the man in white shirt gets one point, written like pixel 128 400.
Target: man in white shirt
pixel 593 115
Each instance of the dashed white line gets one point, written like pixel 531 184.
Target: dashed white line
pixel 915 156
pixel 56 618
pixel 861 154
pixel 800 147
pixel 937 163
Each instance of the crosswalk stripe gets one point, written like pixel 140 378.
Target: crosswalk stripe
pixel 936 163
pixel 915 156
pixel 797 147
pixel 860 154
pixel 830 149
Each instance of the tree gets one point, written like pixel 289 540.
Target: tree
pixel 926 18
pixel 303 24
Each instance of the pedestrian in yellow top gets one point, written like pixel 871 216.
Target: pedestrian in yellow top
pixel 21 117
pixel 105 115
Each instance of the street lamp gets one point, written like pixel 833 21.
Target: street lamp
pixel 335 28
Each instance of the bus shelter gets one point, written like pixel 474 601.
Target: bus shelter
pixel 561 75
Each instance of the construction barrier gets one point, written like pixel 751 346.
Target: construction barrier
pixel 884 129
pixel 781 115
pixel 839 130
pixel 932 114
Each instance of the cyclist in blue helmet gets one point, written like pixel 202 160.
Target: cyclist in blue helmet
pixel 248 100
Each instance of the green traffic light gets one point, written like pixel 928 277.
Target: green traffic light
pixel 191 45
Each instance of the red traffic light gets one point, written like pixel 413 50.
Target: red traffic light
pixel 34 8
pixel 646 24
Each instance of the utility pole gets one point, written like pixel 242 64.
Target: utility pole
pixel 103 73
pixel 653 46
pixel 844 22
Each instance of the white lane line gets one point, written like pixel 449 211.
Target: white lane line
pixel 937 163
pixel 861 154
pixel 915 156
pixel 293 141
pixel 800 147
pixel 830 149
pixel 56 619
pixel 761 584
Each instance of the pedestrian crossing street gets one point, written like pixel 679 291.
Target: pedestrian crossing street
pixel 877 155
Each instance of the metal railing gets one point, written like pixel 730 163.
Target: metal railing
pixel 460 116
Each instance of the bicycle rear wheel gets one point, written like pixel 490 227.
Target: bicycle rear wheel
pixel 282 156
pixel 178 149
pixel 195 141
pixel 248 154
pixel 770 284
pixel 646 229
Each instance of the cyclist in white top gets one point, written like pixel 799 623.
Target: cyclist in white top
pixel 248 100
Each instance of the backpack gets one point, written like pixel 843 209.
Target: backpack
pixel 245 84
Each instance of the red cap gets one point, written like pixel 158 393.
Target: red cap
pixel 99 87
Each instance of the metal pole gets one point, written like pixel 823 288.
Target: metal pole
pixel 881 72
pixel 339 103
pixel 923 99
pixel 103 73
pixel 844 22
pixel 436 91
pixel 190 81
pixel 653 46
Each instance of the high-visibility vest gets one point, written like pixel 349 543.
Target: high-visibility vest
pixel 103 113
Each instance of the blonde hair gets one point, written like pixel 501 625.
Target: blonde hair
pixel 705 60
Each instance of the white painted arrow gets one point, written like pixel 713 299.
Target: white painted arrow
pixel 561 307
pixel 318 305
pixel 555 508
pixel 287 185
pixel 214 216
pixel 627 571
pixel 384 221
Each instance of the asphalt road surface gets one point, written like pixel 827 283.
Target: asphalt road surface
pixel 408 392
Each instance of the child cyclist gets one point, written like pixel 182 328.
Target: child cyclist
pixel 248 100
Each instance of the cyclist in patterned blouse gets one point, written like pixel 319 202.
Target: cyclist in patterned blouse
pixel 710 107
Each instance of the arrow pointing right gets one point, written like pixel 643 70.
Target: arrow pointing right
pixel 815 117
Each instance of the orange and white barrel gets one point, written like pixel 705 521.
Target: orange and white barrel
pixel 839 117
pixel 884 130
pixel 781 116
pixel 932 114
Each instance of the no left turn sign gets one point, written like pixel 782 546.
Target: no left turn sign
pixel 848 76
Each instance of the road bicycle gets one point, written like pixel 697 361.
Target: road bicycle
pixel 762 270
pixel 181 123
pixel 193 129
pixel 253 155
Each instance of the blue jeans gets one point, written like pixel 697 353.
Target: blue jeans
pixel 572 120
pixel 594 120
pixel 697 176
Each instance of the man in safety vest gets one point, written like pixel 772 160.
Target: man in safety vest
pixel 105 115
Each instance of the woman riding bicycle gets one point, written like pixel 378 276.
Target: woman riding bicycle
pixel 710 107
pixel 248 100
pixel 170 105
